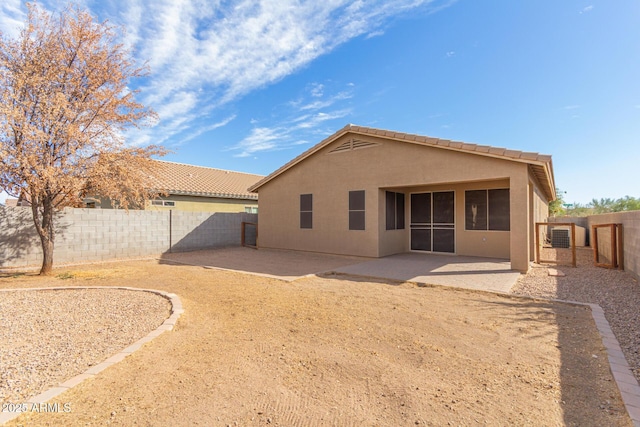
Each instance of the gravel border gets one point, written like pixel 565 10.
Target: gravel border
pixel 51 336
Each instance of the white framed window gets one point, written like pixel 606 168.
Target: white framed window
pixel 251 209
pixel 167 203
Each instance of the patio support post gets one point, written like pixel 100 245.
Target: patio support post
pixel 520 223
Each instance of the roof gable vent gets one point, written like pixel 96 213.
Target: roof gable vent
pixel 353 144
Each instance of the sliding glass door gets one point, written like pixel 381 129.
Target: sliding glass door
pixel 433 222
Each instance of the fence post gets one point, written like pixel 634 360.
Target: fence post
pixel 573 243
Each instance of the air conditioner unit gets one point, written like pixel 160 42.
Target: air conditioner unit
pixel 561 236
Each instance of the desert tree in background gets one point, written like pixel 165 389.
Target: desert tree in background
pixel 65 105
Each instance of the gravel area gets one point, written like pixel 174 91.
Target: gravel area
pixel 617 292
pixel 49 336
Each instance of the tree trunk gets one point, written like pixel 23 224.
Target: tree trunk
pixel 47 256
pixel 44 226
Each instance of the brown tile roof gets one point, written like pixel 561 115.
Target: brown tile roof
pixel 178 178
pixel 540 164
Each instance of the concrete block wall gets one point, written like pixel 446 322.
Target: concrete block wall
pixel 19 242
pixel 199 230
pixel 86 235
pixel 631 236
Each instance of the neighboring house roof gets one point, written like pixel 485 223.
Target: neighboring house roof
pixel 190 180
pixel 540 164
pixel 11 202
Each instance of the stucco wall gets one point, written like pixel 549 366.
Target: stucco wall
pixel 84 235
pixel 203 204
pixel 539 208
pixel 631 236
pixel 390 165
pixel 194 204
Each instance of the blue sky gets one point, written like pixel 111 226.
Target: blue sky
pixel 248 85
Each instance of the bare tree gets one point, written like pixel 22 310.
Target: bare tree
pixel 64 106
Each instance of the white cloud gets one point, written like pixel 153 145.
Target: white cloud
pixel 12 17
pixel 304 120
pixel 451 53
pixel 571 107
pixel 205 129
pixel 220 51
pixel 286 134
pixel 587 9
pixel 205 53
pixel 317 89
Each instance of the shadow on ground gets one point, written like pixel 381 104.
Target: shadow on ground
pixel 586 381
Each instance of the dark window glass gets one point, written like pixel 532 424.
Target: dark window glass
pixel 306 211
pixel 421 208
pixel 356 220
pixel 475 209
pixel 394 205
pixel 356 200
pixel 443 240
pixel 390 207
pixel 356 210
pixel 487 210
pixel 400 211
pixel 443 207
pixel 306 202
pixel 499 218
pixel 306 220
pixel 420 239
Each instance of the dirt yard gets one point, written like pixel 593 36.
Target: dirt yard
pixel 337 350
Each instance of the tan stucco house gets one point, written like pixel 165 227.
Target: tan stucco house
pixel 197 189
pixel 372 192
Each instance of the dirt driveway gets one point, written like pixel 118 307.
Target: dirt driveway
pixel 335 350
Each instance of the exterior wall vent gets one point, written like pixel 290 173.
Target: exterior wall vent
pixel 353 144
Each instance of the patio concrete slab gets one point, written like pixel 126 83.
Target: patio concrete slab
pixel 486 274
pixel 467 272
pixel 277 263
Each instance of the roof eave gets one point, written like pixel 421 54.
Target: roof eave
pixel 204 194
pixel 541 160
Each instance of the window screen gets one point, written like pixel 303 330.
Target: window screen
pixel 356 210
pixel 499 218
pixel 487 210
pixel 306 211
pixel 394 207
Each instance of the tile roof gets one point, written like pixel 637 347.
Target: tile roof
pixel 540 164
pixel 190 180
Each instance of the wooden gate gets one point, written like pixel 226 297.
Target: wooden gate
pixel 607 245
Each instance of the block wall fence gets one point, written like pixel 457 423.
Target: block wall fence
pixel 630 234
pixel 86 235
